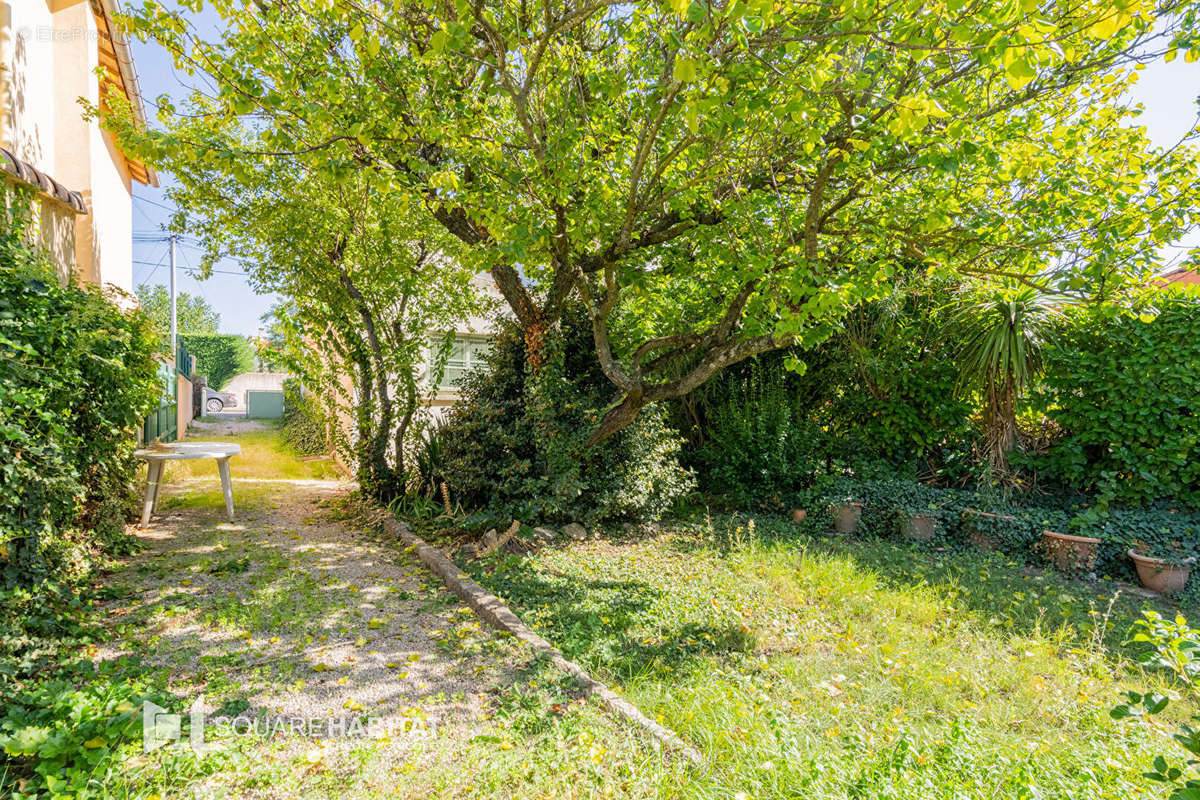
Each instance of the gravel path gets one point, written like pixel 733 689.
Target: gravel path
pixel 302 610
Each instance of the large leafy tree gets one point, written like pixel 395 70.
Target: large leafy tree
pixel 369 292
pixel 713 178
pixel 192 314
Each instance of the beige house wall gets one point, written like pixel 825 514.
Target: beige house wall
pixel 27 96
pixel 49 53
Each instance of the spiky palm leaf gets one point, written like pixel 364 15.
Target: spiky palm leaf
pixel 1000 353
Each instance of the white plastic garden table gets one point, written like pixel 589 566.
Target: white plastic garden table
pixel 157 455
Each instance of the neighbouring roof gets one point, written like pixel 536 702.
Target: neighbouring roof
pixel 33 177
pixel 119 73
pixel 1182 275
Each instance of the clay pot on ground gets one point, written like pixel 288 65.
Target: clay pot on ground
pixel 977 535
pixel 1070 553
pixel 846 517
pixel 799 515
pixel 1159 574
pixel 918 527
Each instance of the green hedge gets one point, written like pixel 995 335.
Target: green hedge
pixel 1126 394
pixel 219 356
pixel 77 376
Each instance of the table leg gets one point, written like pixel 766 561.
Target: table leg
pixel 153 471
pixel 226 486
pixel 162 468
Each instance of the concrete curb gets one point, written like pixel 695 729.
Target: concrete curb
pixel 495 613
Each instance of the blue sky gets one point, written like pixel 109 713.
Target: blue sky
pixel 1168 93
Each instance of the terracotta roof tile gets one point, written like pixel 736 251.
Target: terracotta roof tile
pixel 33 177
pixel 1182 275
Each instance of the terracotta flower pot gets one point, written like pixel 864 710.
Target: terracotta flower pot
pixel 1069 552
pixel 846 517
pixel 799 515
pixel 977 535
pixel 918 527
pixel 1160 575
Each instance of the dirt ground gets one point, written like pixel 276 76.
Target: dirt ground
pixel 302 610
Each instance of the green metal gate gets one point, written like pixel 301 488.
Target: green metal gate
pixel 264 404
pixel 162 424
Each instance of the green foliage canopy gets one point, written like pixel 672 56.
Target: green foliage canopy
pixel 366 277
pixel 734 175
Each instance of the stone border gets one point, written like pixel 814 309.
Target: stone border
pixel 495 613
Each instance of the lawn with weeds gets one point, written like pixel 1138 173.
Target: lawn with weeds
pixel 265 456
pixel 836 668
pixel 800 666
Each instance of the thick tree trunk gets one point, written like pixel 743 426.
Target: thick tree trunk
pixel 618 418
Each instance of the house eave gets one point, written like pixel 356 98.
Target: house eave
pixel 127 75
pixel 45 186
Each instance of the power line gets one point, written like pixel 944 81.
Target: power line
pixel 158 236
pixel 154 265
pixel 193 269
pixel 144 214
pixel 155 203
pixel 199 283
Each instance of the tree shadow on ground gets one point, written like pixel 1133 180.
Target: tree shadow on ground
pixel 1001 591
pixel 601 623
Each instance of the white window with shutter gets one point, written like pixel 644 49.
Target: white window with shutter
pixel 466 353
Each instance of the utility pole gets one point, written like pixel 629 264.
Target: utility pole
pixel 174 324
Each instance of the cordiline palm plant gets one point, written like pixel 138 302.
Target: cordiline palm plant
pixel 1000 354
pixel 431 466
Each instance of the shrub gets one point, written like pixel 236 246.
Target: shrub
pixel 1126 394
pixel 1172 647
pixel 516 444
pixel 305 421
pixel 66 724
pixel 219 356
pixel 77 376
pixel 876 399
pixel 757 443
